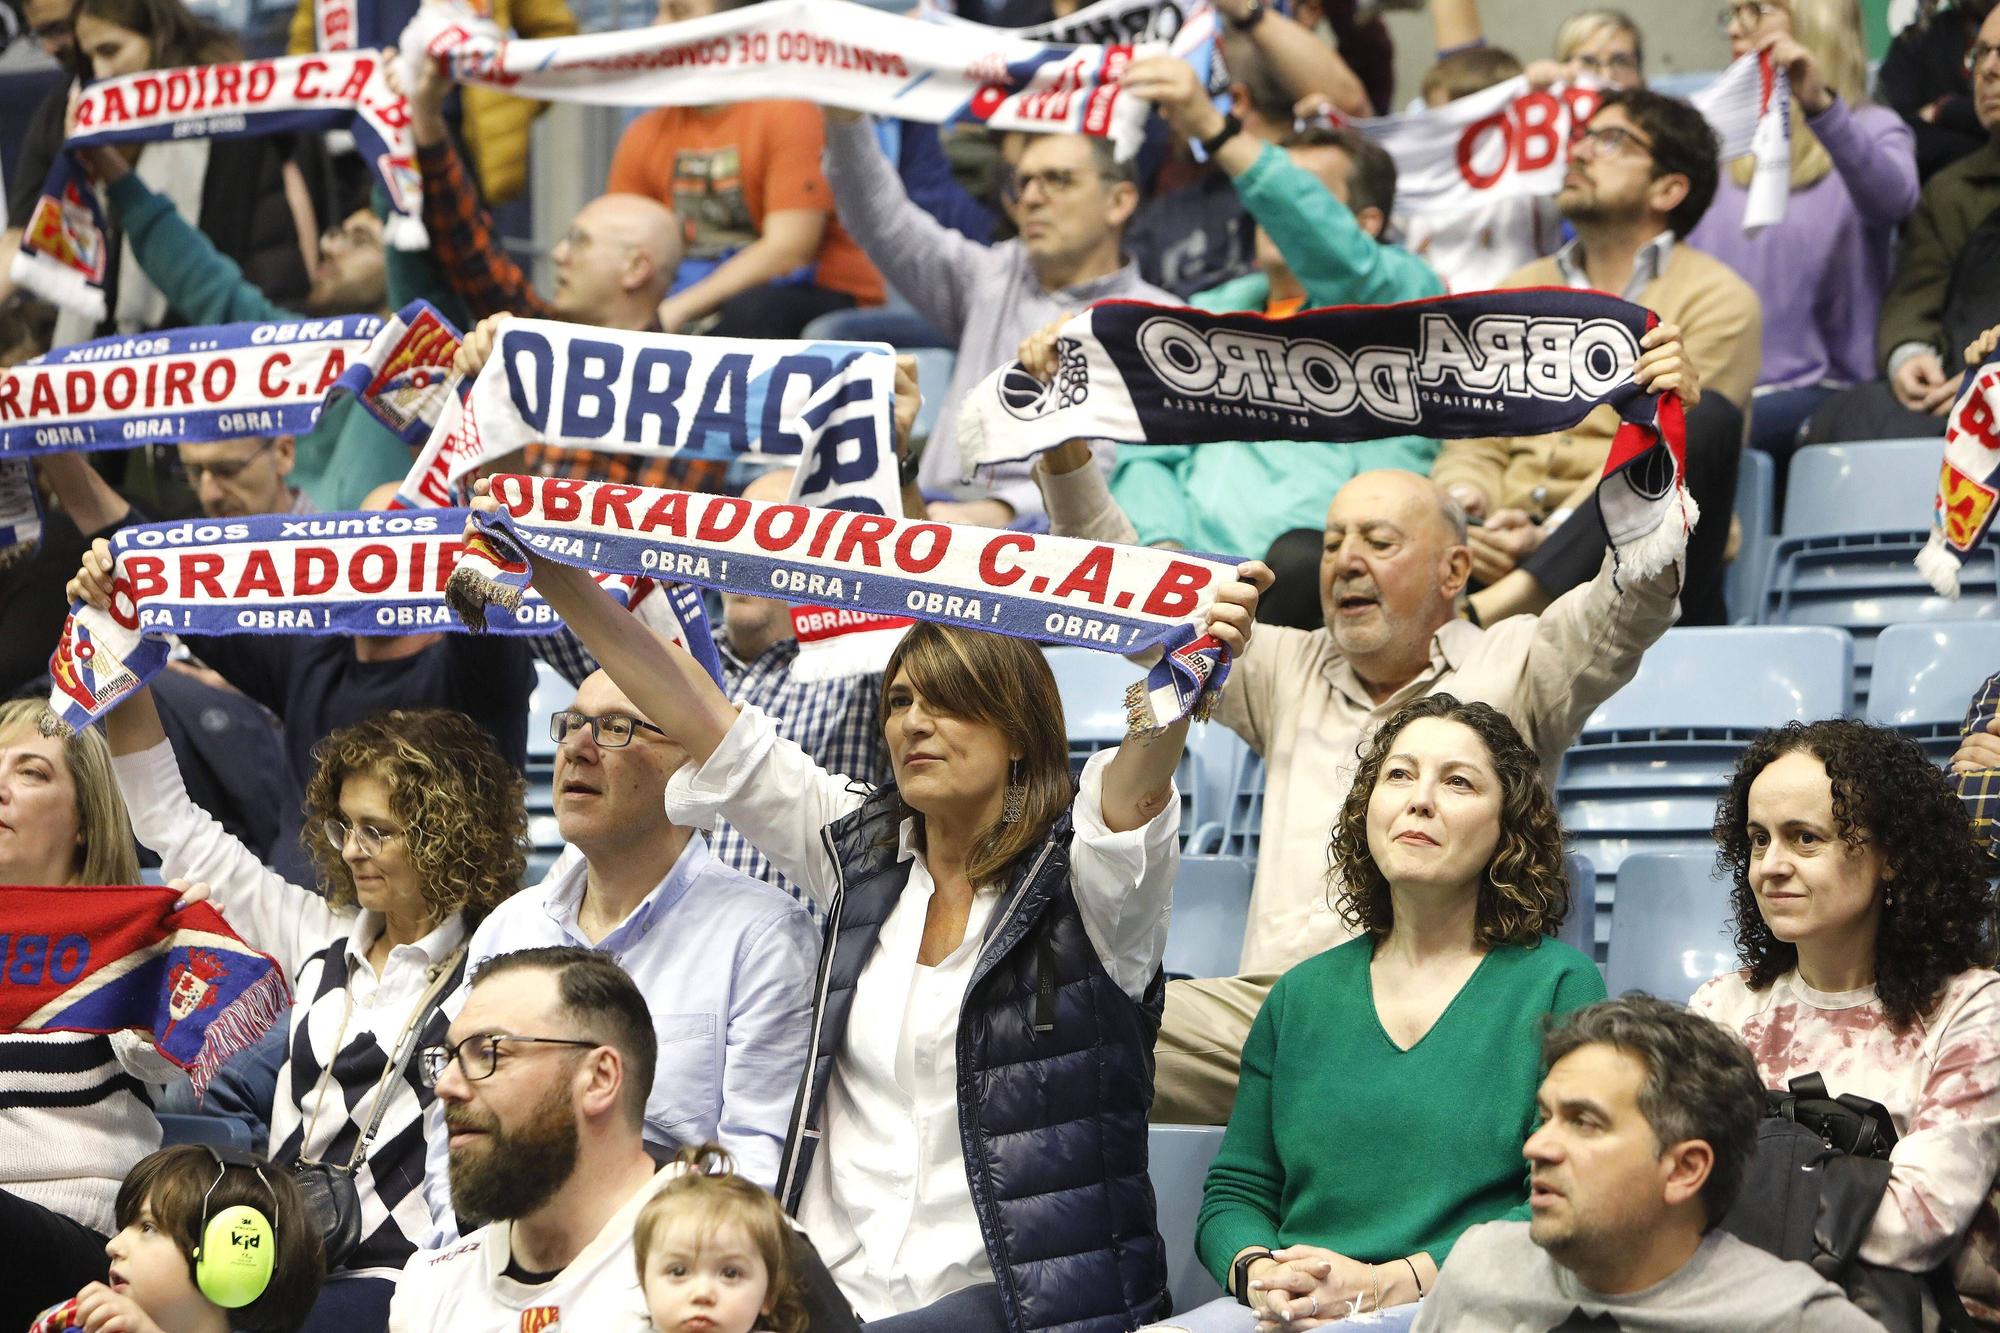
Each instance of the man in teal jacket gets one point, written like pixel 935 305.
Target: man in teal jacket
pixel 1319 204
pixel 348 453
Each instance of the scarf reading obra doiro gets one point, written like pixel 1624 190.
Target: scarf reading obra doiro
pixel 833 52
pixel 824 406
pixel 1123 599
pixel 109 959
pixel 379 573
pixel 63 253
pixel 1520 362
pixel 1969 482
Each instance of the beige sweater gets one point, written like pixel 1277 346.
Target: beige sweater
pixel 1722 327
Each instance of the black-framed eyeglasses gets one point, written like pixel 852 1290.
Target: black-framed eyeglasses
pixel 479 1055
pixel 1054 181
pixel 224 470
pixel 1747 14
pixel 611 731
pixel 1609 141
pixel 1976 57
pixel 368 837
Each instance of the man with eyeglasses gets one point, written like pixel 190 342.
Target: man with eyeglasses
pixel 1071 202
pixel 542 1084
pixel 1925 80
pixel 1640 177
pixel 1944 292
pixel 726 961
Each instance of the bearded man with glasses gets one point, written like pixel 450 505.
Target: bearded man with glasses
pixel 726 961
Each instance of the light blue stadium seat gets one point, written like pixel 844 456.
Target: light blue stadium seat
pixel 220 1131
pixel 1925 677
pixel 551 694
pixel 1211 906
pixel 1756 485
pixel 1579 928
pixel 934 368
pixel 1855 518
pixel 1092 686
pixel 1179 1158
pixel 1645 773
pixel 1246 807
pixel 1218 753
pixel 1670 926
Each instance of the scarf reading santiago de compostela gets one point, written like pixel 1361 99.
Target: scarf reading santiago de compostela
pixel 63 252
pixel 1526 361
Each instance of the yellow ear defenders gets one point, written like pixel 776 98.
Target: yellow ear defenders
pixel 238 1246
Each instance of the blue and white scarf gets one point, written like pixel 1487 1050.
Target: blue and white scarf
pixel 63 252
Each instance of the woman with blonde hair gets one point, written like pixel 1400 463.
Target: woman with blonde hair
pixel 75 1108
pixel 1420 1039
pixel 968 1151
pixel 419 828
pixel 1602 44
pixel 1822 270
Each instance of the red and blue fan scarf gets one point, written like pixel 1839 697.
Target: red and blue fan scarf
pixel 1520 362
pixel 64 251
pixel 1969 481
pixel 117 959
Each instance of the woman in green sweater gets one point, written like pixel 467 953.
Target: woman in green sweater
pixel 1388 1084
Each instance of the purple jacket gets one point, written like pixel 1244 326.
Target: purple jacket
pixel 1821 272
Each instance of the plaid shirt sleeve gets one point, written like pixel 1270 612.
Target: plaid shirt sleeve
pixel 462 239
pixel 1980 789
pixel 854 742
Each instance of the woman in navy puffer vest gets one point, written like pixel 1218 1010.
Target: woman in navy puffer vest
pixel 968 1149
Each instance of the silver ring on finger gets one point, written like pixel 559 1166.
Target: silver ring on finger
pixel 1314 1298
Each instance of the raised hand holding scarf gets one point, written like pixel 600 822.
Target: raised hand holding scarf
pixel 1969 481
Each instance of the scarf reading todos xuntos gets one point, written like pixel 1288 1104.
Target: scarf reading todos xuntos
pixel 1526 361
pixel 112 959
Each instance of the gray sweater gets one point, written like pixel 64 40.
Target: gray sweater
pixel 1499 1281
pixel 986 298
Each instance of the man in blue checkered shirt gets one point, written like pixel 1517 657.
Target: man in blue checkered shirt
pixel 1976 765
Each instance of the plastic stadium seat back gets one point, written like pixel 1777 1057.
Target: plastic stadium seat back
pixel 1756 483
pixel 1246 807
pixel 1579 928
pixel 1876 486
pixel 934 365
pixel 1924 678
pixel 1751 676
pixel 1092 685
pixel 1211 907
pixel 1670 927
pixel 551 694
pixel 1180 1157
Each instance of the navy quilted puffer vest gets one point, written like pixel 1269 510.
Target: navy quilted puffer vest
pixel 1055 1077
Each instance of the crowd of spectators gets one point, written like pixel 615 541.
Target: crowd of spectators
pixel 844 1000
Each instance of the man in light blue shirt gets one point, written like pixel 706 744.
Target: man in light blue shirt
pixel 726 962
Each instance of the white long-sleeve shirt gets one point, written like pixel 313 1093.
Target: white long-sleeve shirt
pixel 1941 1084
pixel 886 1202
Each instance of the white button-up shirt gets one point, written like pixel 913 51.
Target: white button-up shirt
pixel 886 1202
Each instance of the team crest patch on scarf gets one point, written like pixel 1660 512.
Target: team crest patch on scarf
pixel 1122 599
pixel 113 959
pixel 62 254
pixel 1526 361
pixel 403 377
pixel 834 53
pixel 1968 482
pixel 375 573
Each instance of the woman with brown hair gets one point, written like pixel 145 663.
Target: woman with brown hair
pixel 969 1147
pixel 419 828
pixel 1389 1083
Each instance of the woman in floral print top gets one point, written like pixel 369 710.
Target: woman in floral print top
pixel 1865 923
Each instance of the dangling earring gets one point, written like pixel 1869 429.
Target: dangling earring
pixel 1889 899
pixel 1015 797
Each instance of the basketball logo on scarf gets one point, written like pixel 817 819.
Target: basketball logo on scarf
pixel 1027 397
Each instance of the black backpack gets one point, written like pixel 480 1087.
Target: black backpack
pixel 1812 1191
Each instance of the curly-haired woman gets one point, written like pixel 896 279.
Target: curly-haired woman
pixel 1865 925
pixel 419 827
pixel 1389 1083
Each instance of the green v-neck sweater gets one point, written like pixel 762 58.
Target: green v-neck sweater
pixel 1342 1140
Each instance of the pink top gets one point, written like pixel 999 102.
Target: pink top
pixel 1941 1084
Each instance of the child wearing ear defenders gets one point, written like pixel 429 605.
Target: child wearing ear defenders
pixel 715 1253
pixel 209 1240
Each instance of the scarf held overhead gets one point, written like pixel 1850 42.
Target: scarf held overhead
pixel 1969 481
pixel 1122 599
pixel 63 250
pixel 1526 361
pixel 833 52
pixel 112 959
pixel 371 573
pixel 826 408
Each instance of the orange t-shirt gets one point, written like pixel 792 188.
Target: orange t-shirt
pixel 721 169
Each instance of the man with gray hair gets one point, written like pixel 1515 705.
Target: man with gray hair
pixel 1648 1122
pixel 1394 563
